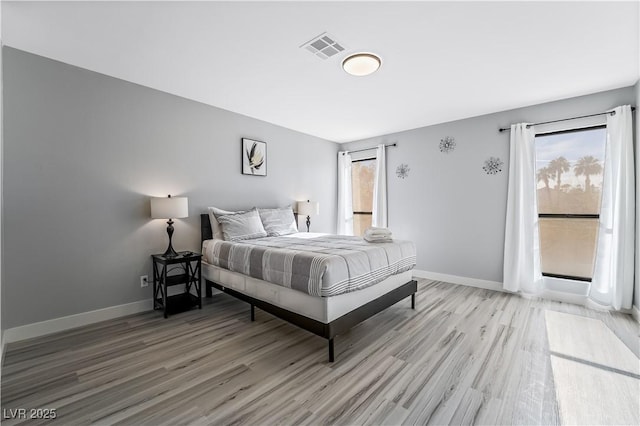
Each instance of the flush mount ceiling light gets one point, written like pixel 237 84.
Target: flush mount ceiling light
pixel 361 64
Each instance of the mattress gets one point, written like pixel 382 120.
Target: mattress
pixel 323 309
pixel 318 265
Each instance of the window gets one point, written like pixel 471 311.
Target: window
pixel 362 173
pixel 569 170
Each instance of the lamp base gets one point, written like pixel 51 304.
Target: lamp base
pixel 170 251
pixel 308 222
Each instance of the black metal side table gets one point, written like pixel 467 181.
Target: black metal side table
pixel 188 267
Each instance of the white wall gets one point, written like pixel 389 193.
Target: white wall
pixel 83 154
pixel 448 205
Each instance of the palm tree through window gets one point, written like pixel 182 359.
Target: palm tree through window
pixel 588 166
pixel 569 174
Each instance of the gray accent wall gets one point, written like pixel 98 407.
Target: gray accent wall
pixel 83 153
pixel 448 205
pixel 636 294
pixel 1 196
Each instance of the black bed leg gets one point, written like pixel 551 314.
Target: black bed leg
pixel 413 301
pixel 331 350
pixel 253 312
pixel 208 291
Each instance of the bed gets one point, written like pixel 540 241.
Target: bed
pixel 326 310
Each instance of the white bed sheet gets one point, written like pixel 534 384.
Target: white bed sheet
pixel 323 309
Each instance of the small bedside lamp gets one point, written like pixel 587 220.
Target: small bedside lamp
pixel 307 208
pixel 169 208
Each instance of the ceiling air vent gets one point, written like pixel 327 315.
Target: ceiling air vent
pixel 323 46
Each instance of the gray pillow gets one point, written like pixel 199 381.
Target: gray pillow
pixel 278 222
pixel 241 226
pixel 216 229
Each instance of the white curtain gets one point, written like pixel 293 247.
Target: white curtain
pixel 345 200
pixel 612 283
pixel 522 243
pixel 379 217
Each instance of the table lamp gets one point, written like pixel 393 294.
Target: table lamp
pixel 307 208
pixel 169 208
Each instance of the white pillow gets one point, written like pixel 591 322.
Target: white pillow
pixel 215 225
pixel 278 222
pixel 241 225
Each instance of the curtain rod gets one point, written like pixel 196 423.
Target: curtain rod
pixel 373 147
pixel 504 129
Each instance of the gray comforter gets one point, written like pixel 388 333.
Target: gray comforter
pixel 326 265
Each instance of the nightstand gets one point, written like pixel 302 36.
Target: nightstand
pixel 169 271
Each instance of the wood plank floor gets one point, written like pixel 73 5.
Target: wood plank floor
pixel 464 356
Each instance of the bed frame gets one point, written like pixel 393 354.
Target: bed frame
pixel 327 330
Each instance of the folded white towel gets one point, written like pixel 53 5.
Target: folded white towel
pixel 371 239
pixel 377 232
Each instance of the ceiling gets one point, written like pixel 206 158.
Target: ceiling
pixel 441 61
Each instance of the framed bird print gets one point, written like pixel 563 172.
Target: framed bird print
pixel 254 157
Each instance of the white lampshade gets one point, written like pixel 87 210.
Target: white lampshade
pixel 169 208
pixel 307 208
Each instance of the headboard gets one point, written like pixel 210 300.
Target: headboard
pixel 206 233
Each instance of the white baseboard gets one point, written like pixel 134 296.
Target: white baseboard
pixel 72 321
pixel 454 279
pixel 575 299
pixel 558 296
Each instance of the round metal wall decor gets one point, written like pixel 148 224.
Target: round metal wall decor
pixel 447 144
pixel 493 165
pixel 403 171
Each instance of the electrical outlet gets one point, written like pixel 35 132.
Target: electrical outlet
pixel 144 280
